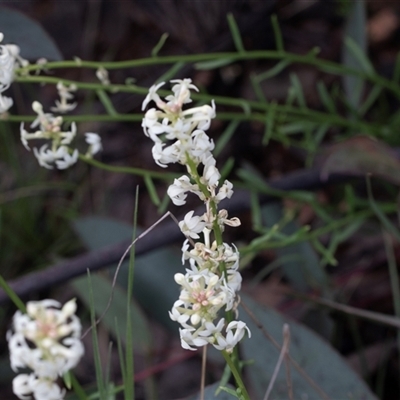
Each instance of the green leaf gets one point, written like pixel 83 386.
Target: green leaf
pixel 237 40
pixel 159 45
pixel 28 34
pixel 314 356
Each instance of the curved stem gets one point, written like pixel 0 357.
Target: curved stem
pixel 311 59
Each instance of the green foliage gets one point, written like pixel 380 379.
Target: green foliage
pixel 360 135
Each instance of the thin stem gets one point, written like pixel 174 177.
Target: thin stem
pixel 203 372
pixel 129 170
pixel 311 59
pixel 236 374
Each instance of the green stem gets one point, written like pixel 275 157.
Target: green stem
pixel 129 170
pixel 295 112
pixel 236 374
pixel 12 295
pixel 311 59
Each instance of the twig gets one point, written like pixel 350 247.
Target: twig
pixel 283 354
pixel 203 372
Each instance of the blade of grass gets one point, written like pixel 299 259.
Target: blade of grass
pixel 237 40
pixel 171 72
pixel 12 295
pixel 95 341
pixel 226 136
pixel 129 388
pixel 277 33
pixel 105 100
pixel 152 190
pixel 159 45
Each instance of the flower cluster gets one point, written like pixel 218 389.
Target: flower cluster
pixel 47 340
pixel 212 281
pixel 62 105
pixel 49 127
pixel 10 59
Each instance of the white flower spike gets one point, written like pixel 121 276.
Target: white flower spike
pixel 212 281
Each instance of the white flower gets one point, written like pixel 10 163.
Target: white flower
pixel 61 157
pixel 7 65
pixel 66 159
pixel 225 191
pixel 102 76
pixel 22 386
pixel 65 94
pixel 5 103
pixel 177 191
pixel 189 338
pixel 181 94
pixel 57 152
pixel 191 226
pixel 235 332
pixel 201 336
pixel 211 174
pixel 201 115
pixel 153 96
pixel 94 142
pixel 25 386
pixel 46 339
pixel 203 295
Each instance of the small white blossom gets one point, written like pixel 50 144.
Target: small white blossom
pixel 65 94
pixel 211 174
pixel 57 151
pixel 153 96
pixel 5 103
pixel 177 191
pixel 25 386
pixel 46 339
pixel 192 226
pixel 61 157
pixel 7 66
pixel 235 332
pixel 102 76
pixel 94 142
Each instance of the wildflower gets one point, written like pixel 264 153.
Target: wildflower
pixel 65 94
pixel 60 157
pixel 94 142
pixel 192 226
pixel 47 340
pixel 102 76
pixel 10 60
pixel 7 64
pixel 211 283
pixel 25 386
pixel 5 103
pixel 56 152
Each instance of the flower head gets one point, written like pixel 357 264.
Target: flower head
pixel 56 152
pixel 47 340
